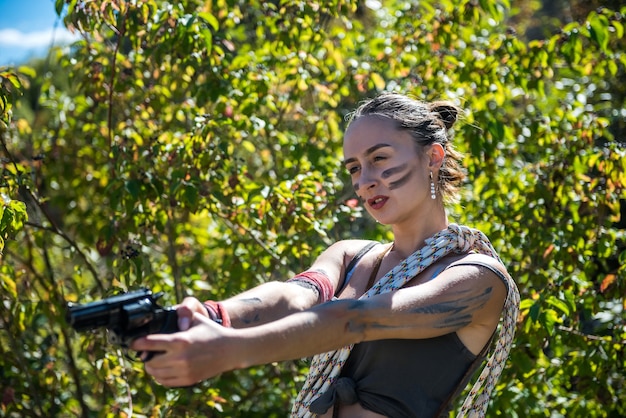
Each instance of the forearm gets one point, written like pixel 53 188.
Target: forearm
pixel 207 349
pixel 268 302
pixel 323 328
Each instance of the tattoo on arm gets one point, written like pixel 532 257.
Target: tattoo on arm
pixel 307 285
pixel 251 320
pixel 457 312
pixel 254 316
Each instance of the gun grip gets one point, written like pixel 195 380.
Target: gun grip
pixel 170 321
pixel 149 355
pixel 169 326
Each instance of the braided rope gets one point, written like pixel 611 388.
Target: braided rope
pixel 326 367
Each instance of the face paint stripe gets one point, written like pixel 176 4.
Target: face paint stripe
pixel 401 181
pixel 393 170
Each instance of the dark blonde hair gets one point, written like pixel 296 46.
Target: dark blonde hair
pixel 428 123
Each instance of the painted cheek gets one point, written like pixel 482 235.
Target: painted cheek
pixel 356 187
pixel 404 170
pixel 401 181
pixel 393 170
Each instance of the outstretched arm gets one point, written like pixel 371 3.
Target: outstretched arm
pixel 465 300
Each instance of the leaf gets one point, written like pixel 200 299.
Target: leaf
pixel 133 187
pixel 379 81
pixel 190 197
pixel 599 30
pixel 608 280
pixel 28 71
pixel 58 6
pixel 619 28
pixel 248 145
pixel 210 19
pixel 549 319
pixel 8 284
pixel 559 304
pixel 496 128
pixel 207 35
pixel 534 311
pixel 548 251
pixel 12 218
pixel 13 79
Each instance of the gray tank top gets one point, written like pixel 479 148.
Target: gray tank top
pixel 403 378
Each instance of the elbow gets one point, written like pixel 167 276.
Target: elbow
pixel 295 297
pixel 352 314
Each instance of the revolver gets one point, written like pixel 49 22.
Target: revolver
pixel 127 316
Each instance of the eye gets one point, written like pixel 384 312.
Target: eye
pixel 379 158
pixel 353 169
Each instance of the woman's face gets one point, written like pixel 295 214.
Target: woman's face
pixel 388 174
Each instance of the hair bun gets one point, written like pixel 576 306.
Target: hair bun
pixel 446 111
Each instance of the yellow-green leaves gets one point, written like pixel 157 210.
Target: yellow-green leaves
pixel 12 218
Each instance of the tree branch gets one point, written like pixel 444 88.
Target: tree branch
pixel 590 336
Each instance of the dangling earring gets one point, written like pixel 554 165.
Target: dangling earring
pixel 433 195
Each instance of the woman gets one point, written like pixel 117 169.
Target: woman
pixel 401 325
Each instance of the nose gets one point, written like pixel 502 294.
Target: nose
pixel 367 180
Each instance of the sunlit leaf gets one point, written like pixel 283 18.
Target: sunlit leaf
pixel 599 30
pixel 559 304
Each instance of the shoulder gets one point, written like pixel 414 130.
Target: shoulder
pixel 353 243
pixel 474 266
pixel 481 260
pixel 338 256
pixel 351 248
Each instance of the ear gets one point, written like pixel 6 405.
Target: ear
pixel 436 154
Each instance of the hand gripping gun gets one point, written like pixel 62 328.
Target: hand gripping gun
pixel 127 316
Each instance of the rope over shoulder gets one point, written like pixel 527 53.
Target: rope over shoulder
pixel 325 368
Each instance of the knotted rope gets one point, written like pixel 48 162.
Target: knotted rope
pixel 326 367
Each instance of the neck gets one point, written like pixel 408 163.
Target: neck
pixel 410 237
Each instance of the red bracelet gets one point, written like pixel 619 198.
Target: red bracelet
pixel 217 313
pixel 318 280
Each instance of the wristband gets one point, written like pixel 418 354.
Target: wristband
pixel 217 313
pixel 316 280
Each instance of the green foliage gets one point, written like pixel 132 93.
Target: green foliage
pixel 195 148
pixel 12 212
pixel 12 217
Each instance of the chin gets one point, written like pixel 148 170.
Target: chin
pixel 381 221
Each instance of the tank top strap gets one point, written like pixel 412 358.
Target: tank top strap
pixel 352 264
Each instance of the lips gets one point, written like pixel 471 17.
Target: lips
pixel 377 202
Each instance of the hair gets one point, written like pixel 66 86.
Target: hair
pixel 428 123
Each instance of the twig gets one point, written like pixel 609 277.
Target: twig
pixel 249 234
pixel 72 363
pixel 171 255
pixel 121 33
pixel 590 336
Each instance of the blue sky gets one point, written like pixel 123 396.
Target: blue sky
pixel 27 30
